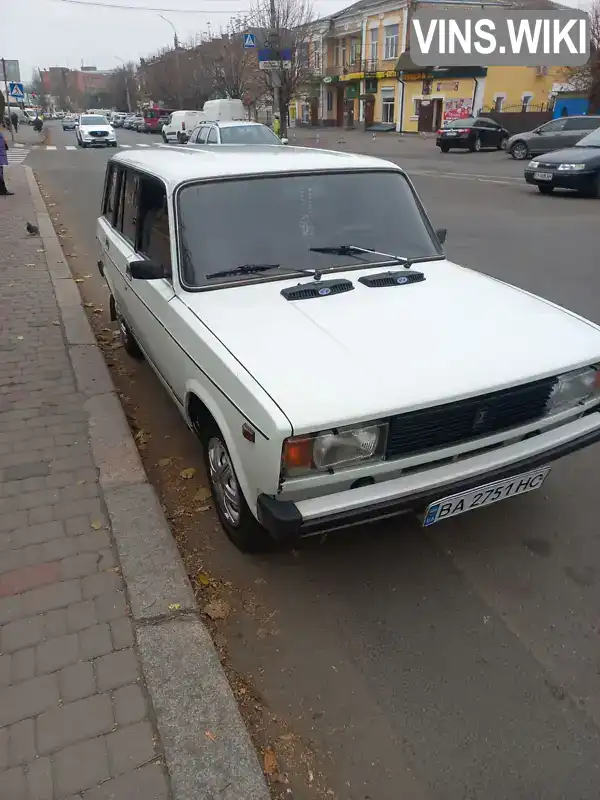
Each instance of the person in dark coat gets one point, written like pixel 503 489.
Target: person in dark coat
pixel 14 118
pixel 3 160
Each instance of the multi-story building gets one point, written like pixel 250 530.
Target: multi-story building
pixel 73 86
pixel 367 74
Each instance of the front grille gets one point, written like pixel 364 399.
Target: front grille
pixel 306 291
pixel 466 420
pixel 98 133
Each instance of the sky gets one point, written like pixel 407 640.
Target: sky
pixel 55 33
pixel 45 33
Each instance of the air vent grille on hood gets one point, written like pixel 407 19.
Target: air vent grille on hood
pixel 391 279
pixel 306 291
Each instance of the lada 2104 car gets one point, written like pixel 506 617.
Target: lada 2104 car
pixel 336 366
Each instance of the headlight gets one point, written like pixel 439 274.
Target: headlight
pixel 334 449
pixel 533 165
pixel 570 167
pixel 573 388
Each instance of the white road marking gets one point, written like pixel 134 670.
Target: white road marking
pixel 505 181
pixel 124 145
pixel 16 156
pixel 139 144
pixel 18 144
pixel 70 147
pixel 51 147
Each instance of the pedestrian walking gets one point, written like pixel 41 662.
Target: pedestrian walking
pixel 14 118
pixel 3 160
pixel 276 124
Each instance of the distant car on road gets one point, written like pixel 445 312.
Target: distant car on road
pixel 69 123
pixel 472 133
pixel 233 132
pixel 575 168
pixel 554 135
pixel 128 121
pixel 95 130
pixel 138 123
pixel 118 120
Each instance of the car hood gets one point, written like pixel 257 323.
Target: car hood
pixel 107 128
pixel 373 352
pixel 571 155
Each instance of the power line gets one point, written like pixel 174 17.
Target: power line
pixel 127 7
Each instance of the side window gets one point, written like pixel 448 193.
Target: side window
pixel 581 123
pixel 129 211
pixel 194 134
pixel 203 134
pixel 554 126
pixel 110 193
pixel 212 137
pixel 153 231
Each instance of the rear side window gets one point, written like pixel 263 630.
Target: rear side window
pixel 582 123
pixel 203 134
pixel 554 126
pixel 111 186
pixel 212 136
pixel 129 211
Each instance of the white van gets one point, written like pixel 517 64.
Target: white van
pixel 179 125
pixel 224 110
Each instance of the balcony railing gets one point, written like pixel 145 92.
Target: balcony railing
pixel 366 66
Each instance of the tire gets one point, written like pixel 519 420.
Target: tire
pixel 444 148
pixel 502 143
pixel 165 140
pixel 128 341
pixel 475 145
pixel 238 522
pixel 114 144
pixel 546 189
pixel 519 151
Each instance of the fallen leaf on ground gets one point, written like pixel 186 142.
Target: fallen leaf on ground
pixel 88 305
pixel 39 251
pixel 141 437
pixel 217 609
pixel 187 473
pixel 55 322
pixel 202 508
pixel 270 762
pixel 20 338
pixel 98 310
pixel 96 525
pixel 87 276
pixel 78 280
pixel 164 462
pixel 174 606
pixel 210 735
pixel 116 345
pixel 203 579
pixel 202 495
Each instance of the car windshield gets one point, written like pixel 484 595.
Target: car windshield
pixel 95 120
pixel 248 134
pixel 459 123
pixel 591 140
pixel 277 220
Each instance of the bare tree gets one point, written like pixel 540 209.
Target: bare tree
pixel 587 77
pixel 176 77
pixel 123 87
pixel 290 29
pixel 232 68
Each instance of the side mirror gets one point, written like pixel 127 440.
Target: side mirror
pixel 538 131
pixel 284 140
pixel 441 234
pixel 146 270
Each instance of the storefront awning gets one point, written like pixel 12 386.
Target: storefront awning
pixel 406 66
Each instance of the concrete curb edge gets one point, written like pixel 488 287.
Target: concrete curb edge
pixel 188 688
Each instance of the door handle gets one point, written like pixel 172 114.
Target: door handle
pixel 107 243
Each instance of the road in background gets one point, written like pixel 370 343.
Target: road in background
pixel 459 663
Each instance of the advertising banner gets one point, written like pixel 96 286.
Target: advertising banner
pixel 461 108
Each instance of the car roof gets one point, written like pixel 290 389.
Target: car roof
pixel 177 165
pixel 234 123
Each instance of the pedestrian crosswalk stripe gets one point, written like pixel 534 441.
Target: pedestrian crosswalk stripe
pixel 16 156
pixel 51 147
pixel 125 145
pixel 18 144
pixel 143 145
pixel 70 147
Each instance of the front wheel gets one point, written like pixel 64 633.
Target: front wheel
pixel 113 144
pixel 128 341
pixel 238 522
pixel 546 189
pixel 519 151
pixel 475 145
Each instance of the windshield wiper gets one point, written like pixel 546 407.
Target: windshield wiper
pixel 353 250
pixel 249 269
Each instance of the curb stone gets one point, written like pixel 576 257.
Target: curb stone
pixel 187 686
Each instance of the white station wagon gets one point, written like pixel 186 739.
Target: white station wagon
pixel 337 368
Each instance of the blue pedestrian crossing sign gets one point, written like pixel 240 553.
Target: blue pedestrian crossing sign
pixel 249 40
pixel 16 90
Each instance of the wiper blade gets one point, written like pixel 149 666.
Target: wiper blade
pixel 353 250
pixel 249 269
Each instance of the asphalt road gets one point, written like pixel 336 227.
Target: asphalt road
pixel 461 663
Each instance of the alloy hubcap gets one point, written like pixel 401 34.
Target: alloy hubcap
pixel 477 144
pixel 224 481
pixel 519 151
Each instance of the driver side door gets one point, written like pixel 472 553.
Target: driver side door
pixel 548 138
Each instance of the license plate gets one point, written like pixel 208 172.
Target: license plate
pixel 484 496
pixel 451 133
pixel 542 176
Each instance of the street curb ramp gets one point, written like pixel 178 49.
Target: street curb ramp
pixel 207 748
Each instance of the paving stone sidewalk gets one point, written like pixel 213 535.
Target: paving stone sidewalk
pixel 94 692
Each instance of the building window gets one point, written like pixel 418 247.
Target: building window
pixel 387 105
pixel 336 53
pixel 417 108
pixel 329 101
pixel 374 41
pixel 316 60
pixel 355 47
pixel 527 98
pixel 344 60
pixel 498 102
pixel 391 41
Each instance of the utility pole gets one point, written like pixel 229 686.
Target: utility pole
pixel 276 75
pixel 10 125
pixel 177 64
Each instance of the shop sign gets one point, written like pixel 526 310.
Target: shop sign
pixel 353 76
pixel 447 86
pixel 461 108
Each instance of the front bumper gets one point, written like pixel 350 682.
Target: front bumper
pixel 563 180
pixel 287 521
pixel 99 140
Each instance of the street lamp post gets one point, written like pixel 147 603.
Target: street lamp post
pixel 126 85
pixel 177 65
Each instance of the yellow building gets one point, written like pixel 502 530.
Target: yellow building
pixel 367 76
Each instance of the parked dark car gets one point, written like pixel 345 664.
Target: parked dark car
pixel 554 135
pixel 572 168
pixel 472 133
